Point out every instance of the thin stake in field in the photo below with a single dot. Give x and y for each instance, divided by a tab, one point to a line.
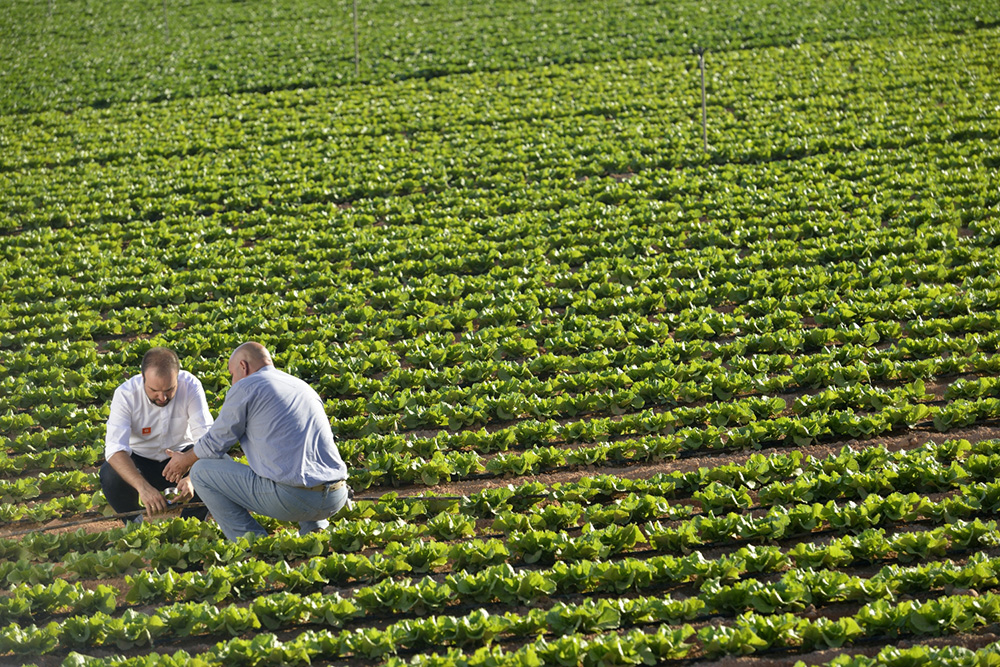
357	49
166	22
700	51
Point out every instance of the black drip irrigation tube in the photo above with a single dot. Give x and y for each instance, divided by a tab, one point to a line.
81	522
140	512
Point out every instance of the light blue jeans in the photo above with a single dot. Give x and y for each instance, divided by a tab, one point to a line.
232	490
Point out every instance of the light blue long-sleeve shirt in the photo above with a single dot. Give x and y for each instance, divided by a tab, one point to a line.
280	422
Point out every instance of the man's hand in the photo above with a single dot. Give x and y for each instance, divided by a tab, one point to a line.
180	463
152	500
149	497
185	490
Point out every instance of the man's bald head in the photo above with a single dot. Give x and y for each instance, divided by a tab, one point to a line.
247	359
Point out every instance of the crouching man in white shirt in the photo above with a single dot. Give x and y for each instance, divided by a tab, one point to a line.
162	409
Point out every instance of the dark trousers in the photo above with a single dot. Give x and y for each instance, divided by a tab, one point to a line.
123	498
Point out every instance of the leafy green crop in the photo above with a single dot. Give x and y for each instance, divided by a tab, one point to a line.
503	254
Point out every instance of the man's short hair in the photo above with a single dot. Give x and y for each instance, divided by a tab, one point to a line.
161	360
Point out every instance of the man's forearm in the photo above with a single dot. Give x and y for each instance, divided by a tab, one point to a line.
123	465
149	495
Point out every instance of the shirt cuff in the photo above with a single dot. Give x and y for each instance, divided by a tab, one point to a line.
203	452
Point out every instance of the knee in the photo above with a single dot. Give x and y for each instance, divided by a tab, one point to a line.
203	472
196	470
108	476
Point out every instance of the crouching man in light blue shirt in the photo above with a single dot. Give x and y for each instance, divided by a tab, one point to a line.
295	472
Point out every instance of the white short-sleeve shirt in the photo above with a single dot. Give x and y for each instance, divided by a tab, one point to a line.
137	425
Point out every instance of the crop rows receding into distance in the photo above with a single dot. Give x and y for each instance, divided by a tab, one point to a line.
64	56
525	283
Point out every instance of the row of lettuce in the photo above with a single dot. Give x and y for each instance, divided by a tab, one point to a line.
127	52
643	437
489	140
486	281
442	573
510	323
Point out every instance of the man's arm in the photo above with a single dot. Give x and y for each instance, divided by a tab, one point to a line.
151	499
119	428
200	421
118	454
180	464
220	438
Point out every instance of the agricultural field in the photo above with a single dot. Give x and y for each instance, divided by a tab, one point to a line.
611	392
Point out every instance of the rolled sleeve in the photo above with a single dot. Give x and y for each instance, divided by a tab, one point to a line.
199	417
119	429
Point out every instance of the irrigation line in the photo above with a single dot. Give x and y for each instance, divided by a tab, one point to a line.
81	522
411	498
128	515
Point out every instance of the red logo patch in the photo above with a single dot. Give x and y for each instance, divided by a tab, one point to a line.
147	430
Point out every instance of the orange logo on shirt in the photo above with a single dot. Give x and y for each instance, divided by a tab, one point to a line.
147	430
